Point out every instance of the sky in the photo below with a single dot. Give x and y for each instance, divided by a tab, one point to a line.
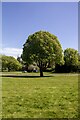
20	19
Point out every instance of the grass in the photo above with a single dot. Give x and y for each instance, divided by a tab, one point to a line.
52	96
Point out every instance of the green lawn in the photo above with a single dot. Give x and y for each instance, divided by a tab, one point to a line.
52	96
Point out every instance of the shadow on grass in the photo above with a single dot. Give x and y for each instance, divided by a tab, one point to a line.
24	76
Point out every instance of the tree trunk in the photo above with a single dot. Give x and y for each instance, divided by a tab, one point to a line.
8	69
2	69
41	72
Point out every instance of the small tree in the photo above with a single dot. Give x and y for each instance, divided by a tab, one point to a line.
42	47
10	63
4	62
71	59
78	62
13	64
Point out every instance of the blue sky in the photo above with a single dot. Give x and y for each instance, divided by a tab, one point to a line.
20	19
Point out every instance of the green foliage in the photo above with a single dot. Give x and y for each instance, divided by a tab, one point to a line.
71	61
79	62
42	47
71	57
4	60
10	63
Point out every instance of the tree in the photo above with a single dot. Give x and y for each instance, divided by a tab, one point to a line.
71	59
20	59
13	64
42	47
10	63
78	62
4	62
0	63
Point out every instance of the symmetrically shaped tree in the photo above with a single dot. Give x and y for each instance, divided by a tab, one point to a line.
42	47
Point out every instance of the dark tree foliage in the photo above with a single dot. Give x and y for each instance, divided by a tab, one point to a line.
71	61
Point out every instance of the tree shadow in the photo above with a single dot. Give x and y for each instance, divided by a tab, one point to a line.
25	76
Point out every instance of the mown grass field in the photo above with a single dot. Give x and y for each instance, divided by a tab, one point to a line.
26	95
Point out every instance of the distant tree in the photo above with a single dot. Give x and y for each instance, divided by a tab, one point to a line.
71	59
71	56
10	63
19	59
13	64
0	63
79	57
42	48
4	62
78	62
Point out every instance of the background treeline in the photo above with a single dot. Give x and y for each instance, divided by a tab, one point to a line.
71	63
9	63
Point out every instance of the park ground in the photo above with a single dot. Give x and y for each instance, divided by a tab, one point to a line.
26	95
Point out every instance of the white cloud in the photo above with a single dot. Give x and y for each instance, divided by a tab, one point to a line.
15	52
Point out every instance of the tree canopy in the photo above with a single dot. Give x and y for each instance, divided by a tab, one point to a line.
71	60
42	47
71	56
10	63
